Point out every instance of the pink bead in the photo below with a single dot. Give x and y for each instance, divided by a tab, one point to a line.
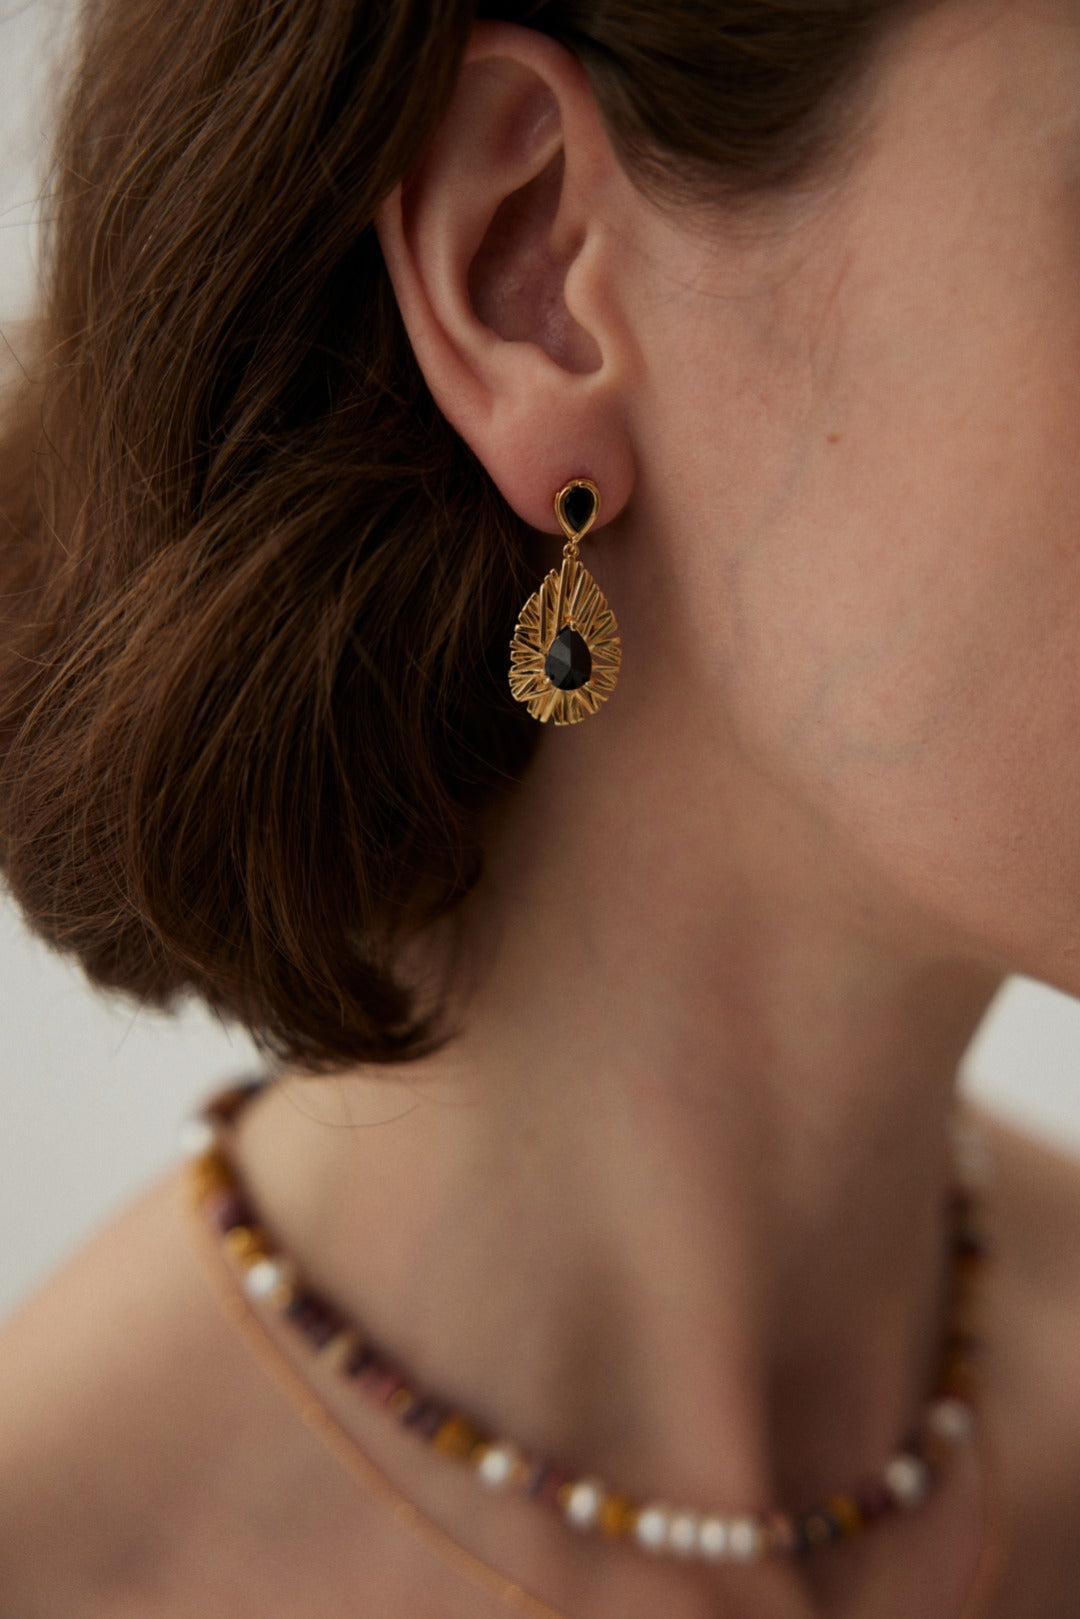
553	1481
780	1527
380	1381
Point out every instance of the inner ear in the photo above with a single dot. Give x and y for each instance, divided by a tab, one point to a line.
517	280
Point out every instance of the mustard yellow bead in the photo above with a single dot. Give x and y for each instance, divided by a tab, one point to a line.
457	1437
844	1510
246	1244
211	1173
617	1517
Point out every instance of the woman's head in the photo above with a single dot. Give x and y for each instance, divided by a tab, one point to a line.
269	539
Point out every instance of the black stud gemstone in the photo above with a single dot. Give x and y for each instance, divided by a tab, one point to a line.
578	506
568	664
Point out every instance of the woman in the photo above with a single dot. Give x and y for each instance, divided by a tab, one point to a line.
613	1094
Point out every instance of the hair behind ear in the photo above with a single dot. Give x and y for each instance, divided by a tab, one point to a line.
258	593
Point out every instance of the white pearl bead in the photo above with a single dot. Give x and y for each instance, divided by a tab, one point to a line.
743	1539
498	1464
198	1135
263	1277
713	1537
951	1420
907	1480
683	1533
584	1501
651	1528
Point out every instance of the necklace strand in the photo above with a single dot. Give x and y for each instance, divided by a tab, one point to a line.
239	1250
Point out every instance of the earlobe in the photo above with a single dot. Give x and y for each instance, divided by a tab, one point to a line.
486	243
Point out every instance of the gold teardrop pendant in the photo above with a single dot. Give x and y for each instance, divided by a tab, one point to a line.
565	654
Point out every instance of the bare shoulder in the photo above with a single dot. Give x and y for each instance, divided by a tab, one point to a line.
143	1467
1034	1368
96	1371
148	1465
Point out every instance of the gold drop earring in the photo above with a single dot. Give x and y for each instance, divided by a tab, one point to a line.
565	655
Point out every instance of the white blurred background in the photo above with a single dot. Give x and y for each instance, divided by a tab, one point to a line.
91	1092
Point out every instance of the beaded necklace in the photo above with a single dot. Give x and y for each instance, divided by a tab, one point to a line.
230	1225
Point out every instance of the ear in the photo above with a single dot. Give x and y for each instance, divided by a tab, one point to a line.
503	247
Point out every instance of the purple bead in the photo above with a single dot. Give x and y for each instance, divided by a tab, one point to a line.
319	1328
552	1482
428	1425
358	1362
298	1305
415	1409
226	1209
369	1373
873	1500
313	1318
534	1479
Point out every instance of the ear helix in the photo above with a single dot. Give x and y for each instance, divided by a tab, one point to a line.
565	654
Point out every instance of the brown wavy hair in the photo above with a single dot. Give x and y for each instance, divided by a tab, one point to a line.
255	594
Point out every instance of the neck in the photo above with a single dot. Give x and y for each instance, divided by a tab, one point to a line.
671	1205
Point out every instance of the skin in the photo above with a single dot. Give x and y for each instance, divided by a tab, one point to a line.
670	1205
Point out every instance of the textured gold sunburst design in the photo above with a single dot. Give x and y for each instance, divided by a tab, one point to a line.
569	596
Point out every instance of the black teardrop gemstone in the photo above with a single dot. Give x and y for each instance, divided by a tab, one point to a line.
578	506
568	664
